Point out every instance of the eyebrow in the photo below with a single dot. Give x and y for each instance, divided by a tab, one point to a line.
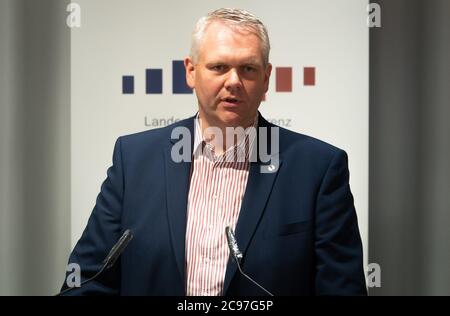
248	62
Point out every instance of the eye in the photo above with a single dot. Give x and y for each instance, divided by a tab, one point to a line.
249	69
218	68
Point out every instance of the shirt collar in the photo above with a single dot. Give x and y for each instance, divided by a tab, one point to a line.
240	151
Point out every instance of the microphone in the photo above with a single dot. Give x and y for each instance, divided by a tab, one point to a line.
118	248
237	255
110	259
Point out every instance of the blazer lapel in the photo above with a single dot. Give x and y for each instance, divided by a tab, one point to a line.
259	186
177	176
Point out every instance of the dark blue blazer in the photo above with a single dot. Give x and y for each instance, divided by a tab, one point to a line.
297	226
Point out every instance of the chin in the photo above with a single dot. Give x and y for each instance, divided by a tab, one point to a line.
231	118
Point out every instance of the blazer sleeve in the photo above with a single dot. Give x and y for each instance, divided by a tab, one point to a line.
338	247
101	233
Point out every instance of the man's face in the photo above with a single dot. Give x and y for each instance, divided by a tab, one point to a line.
229	78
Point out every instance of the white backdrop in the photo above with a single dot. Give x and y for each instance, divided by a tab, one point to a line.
118	38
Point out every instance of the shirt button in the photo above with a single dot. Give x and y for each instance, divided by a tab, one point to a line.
210	227
215	196
206	260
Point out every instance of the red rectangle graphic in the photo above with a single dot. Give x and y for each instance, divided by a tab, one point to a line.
283	79
309	76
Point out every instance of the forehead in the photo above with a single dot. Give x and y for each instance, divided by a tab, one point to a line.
223	41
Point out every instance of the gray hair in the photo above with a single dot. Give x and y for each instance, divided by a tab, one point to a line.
235	18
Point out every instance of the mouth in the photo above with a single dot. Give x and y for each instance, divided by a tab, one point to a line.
230	101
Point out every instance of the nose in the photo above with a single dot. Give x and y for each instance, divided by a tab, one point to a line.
233	80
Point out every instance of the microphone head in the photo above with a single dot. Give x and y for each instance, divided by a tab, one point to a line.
118	248
232	244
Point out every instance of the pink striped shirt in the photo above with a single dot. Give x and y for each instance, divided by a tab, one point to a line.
215	196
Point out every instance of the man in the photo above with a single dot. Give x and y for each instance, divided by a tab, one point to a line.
292	213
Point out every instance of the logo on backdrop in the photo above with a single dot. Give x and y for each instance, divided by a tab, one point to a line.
154	80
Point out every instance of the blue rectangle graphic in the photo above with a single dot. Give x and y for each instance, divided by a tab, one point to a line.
127	84
153	81
179	84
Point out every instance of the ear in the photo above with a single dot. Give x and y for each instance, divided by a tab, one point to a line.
267	73
190	72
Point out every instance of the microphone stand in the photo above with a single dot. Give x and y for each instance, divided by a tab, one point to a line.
237	255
